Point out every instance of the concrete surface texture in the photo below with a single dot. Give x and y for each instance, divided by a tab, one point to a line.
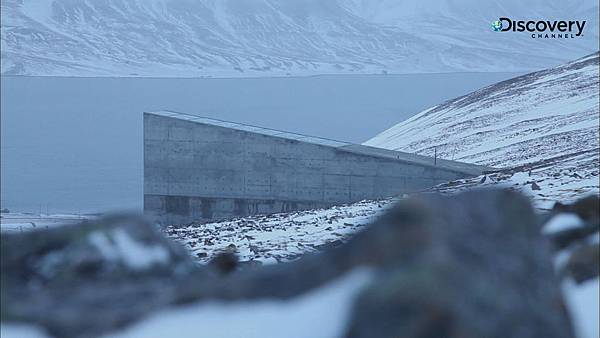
200	169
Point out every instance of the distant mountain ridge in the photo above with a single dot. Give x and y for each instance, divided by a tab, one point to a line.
240	38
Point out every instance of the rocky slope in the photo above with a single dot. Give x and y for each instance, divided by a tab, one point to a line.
279	237
277	37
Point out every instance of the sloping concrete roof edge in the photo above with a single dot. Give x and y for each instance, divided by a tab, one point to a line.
455	166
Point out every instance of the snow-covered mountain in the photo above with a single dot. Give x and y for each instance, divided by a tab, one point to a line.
280	37
533	117
540	129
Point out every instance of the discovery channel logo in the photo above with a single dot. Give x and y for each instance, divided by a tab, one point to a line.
497	25
542	29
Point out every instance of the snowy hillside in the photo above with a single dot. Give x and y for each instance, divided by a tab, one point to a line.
280	37
540	128
529	118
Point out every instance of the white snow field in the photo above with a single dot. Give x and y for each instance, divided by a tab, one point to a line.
20	222
233	38
323	313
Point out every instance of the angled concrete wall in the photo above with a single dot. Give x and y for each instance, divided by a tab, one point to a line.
200	171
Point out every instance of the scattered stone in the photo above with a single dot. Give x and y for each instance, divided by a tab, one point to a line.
565	238
584	263
225	263
330	245
587	208
250	264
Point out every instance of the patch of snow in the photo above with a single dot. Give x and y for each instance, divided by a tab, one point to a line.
125	249
561	222
101	242
583	304
322	313
561	258
20	222
11	330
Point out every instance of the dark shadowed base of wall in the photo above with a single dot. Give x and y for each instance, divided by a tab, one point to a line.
169	210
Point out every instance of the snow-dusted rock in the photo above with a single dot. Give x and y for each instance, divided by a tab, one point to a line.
89	276
429	266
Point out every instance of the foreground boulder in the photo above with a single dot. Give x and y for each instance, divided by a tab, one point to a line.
469	265
85	279
578	239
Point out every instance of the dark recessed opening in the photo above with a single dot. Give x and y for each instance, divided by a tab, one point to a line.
178	205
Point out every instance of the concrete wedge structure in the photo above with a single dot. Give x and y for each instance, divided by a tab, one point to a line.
202	169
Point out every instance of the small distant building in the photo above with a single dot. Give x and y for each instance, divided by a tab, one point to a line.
203	169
